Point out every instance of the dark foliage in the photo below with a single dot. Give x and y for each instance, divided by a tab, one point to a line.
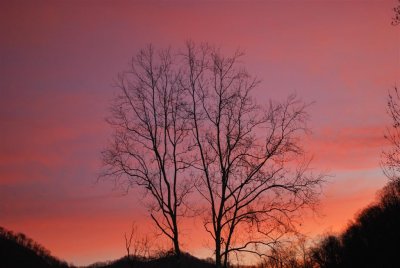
371	241
17	250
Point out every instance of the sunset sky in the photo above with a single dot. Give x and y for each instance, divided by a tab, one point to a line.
58	61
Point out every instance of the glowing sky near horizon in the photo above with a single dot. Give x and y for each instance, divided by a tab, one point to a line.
58	60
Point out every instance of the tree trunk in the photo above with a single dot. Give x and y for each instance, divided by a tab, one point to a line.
177	249
225	260
176	246
218	259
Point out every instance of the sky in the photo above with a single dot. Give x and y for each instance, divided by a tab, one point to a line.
58	61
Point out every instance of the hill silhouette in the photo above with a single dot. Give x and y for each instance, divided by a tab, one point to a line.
372	240
167	260
17	250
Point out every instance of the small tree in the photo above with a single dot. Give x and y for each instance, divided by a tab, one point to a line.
128	240
293	254
135	245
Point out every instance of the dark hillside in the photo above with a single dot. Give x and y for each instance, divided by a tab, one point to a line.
165	261
372	240
17	250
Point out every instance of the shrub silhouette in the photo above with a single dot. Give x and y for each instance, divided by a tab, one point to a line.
372	240
165	260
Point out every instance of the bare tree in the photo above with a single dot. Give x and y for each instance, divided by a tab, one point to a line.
128	240
193	115
148	145
249	160
136	245
293	253
391	157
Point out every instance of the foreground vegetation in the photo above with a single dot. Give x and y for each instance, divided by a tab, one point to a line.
17	250
370	241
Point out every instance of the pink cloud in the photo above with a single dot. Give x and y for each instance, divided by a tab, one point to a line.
347	148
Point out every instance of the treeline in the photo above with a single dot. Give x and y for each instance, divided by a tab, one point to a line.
18	250
372	240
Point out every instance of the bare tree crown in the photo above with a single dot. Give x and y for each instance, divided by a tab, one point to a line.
245	153
148	148
189	119
391	157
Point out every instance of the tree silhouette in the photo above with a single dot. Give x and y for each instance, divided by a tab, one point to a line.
295	254
328	253
391	157
371	241
188	119
245	158
128	241
18	250
149	145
